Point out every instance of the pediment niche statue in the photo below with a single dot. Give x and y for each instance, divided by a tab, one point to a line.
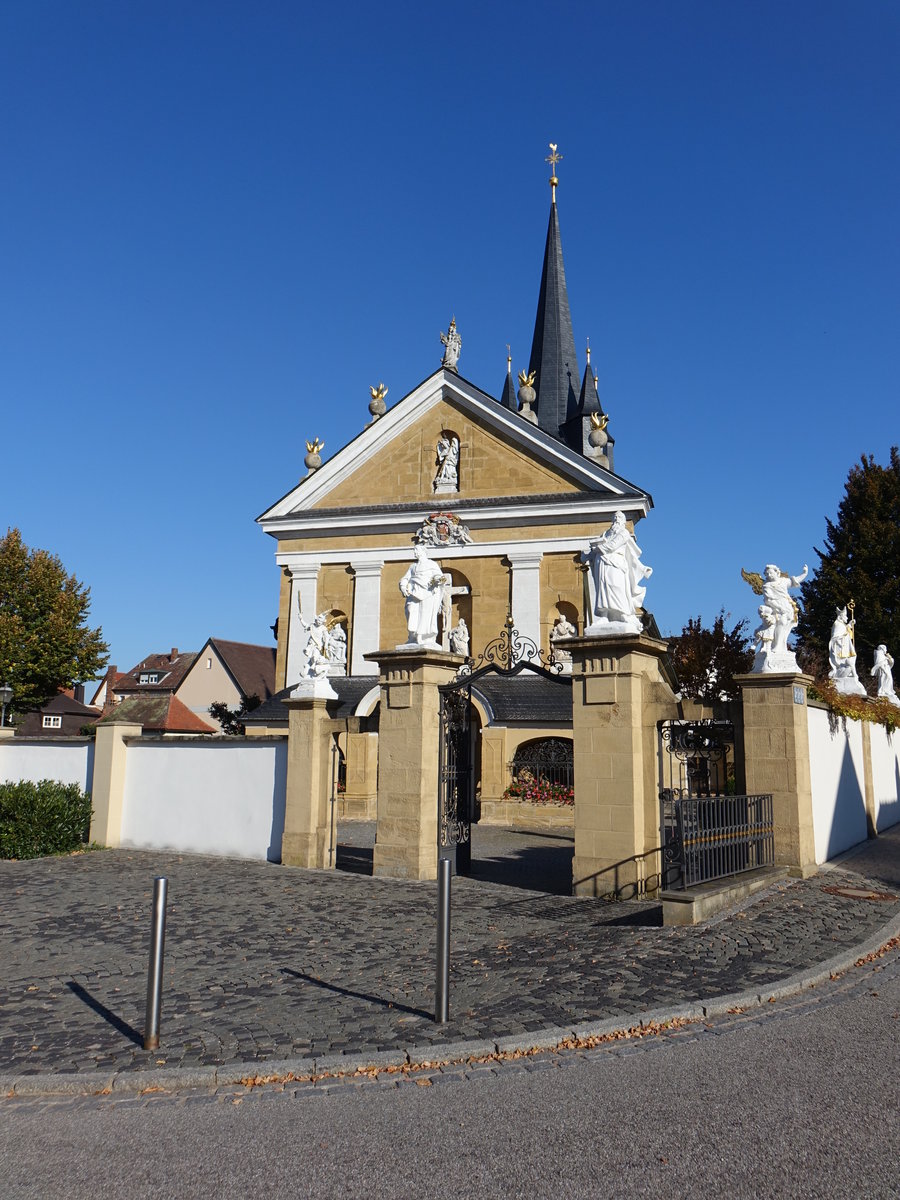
447	452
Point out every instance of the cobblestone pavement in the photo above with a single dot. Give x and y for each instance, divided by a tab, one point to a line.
809	1001
266	963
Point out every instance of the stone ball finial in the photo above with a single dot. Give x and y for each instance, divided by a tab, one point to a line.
598	437
313	459
377	406
527	396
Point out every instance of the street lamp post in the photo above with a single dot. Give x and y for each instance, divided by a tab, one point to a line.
6	694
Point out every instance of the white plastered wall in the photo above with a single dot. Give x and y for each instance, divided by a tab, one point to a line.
885	776
838	784
222	797
67	762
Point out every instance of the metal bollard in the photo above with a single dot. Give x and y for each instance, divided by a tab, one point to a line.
442	982
155	972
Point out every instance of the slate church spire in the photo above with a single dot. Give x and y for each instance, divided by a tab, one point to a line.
553	346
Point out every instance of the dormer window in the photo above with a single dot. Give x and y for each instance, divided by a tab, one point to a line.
148	677
52	723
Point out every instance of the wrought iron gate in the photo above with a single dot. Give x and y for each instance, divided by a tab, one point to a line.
508	654
707	831
693	762
456	776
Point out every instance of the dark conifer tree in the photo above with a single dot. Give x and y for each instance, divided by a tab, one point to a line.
860	562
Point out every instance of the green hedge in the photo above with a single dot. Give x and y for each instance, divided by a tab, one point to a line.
47	817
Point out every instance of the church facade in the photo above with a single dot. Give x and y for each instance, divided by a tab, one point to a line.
503	493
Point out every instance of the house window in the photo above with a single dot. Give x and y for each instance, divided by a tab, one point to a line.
52	723
149	677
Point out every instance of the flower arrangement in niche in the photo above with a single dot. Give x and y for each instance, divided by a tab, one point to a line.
539	791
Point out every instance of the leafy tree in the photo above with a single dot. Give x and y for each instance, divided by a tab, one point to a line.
859	563
45	642
707	660
230	718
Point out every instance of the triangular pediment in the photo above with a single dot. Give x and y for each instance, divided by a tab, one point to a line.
394	461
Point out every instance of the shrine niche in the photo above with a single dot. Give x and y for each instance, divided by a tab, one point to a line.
446	451
563	625
456	611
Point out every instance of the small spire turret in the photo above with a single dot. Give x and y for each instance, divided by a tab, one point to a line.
508	394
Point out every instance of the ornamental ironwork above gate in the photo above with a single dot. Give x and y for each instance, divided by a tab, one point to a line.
508	654
696	758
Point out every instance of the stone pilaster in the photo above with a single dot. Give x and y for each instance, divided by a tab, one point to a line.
494	771
310	832
365	625
108	783
408	748
776	760
526	591
869	780
619	692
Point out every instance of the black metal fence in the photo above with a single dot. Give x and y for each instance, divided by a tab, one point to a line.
722	835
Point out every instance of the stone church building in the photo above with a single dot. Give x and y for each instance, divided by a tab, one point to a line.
504	493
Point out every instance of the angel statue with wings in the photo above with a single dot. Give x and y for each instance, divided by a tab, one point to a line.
779	613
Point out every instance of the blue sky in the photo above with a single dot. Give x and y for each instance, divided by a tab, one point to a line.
220	223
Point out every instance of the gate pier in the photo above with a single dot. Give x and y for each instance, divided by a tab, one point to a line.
406	835
309	836
619	692
776	760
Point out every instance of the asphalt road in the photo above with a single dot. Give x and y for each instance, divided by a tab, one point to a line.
799	1099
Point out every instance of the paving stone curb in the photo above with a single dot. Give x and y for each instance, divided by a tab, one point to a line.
236	1074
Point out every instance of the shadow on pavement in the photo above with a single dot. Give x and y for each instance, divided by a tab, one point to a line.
367	996
355	859
540	862
538	868
107	1014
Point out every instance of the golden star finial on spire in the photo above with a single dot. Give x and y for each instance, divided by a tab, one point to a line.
553	158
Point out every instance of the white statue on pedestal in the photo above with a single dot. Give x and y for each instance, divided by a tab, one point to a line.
882	672
764	636
842	654
337	647
459	638
452	344
561	630
616	575
423	589
779	616
315	660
